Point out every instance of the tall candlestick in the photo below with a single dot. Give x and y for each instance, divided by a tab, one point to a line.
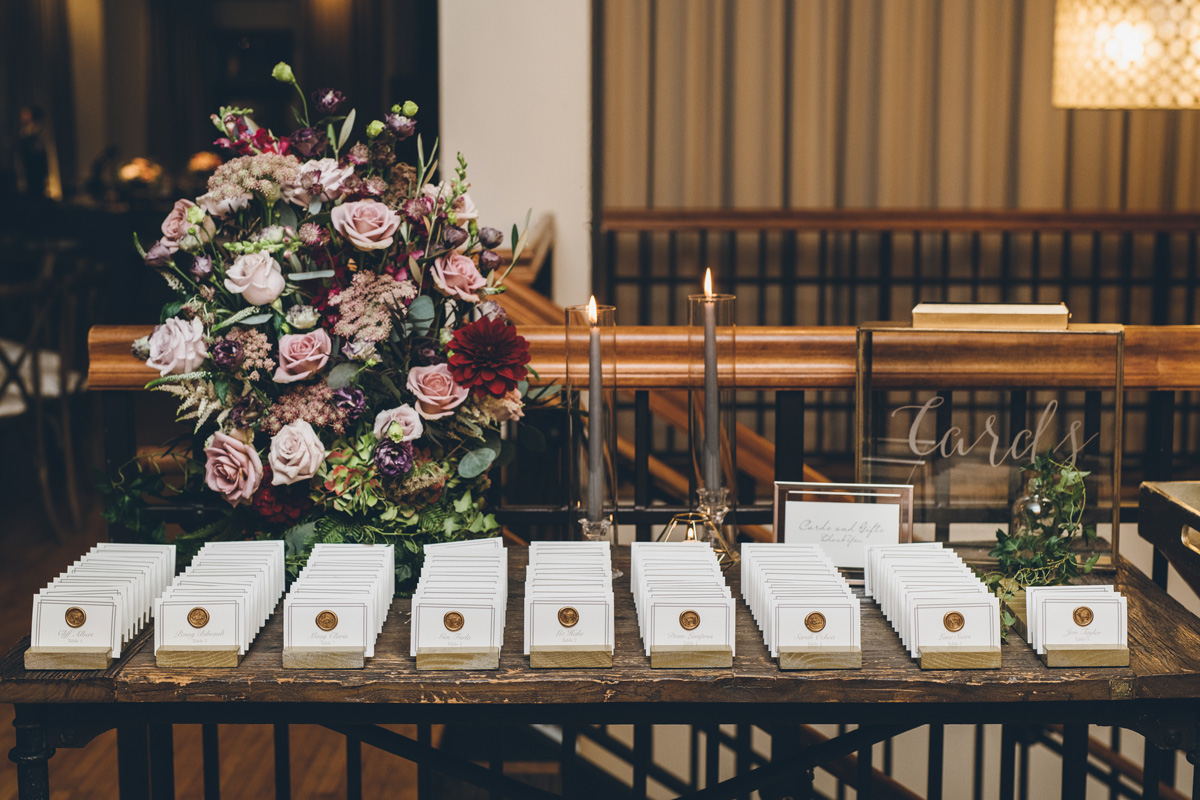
595	485
712	425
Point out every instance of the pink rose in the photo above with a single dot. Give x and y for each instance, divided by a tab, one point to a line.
456	276
463	207
296	453
323	174
302	355
223	207
406	416
175	227
509	406
366	224
233	469
437	393
256	277
177	346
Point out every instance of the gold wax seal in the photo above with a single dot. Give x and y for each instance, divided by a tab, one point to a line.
954	621
568	617
1083	616
815	622
453	621
327	620
689	620
75	616
198	617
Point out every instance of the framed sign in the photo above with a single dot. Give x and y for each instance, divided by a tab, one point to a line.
843	518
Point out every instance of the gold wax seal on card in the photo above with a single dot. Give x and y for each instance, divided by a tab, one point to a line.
954	621
815	622
1083	616
327	620
568	617
75	616
198	617
453	621
689	620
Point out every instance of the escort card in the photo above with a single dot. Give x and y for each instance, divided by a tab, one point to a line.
461	598
681	598
1074	616
569	596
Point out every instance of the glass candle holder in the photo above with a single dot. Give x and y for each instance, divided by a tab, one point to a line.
590	398
712	421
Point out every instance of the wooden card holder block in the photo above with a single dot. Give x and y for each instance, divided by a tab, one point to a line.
323	657
1085	655
960	658
569	656
689	657
820	658
197	656
58	658
1016	607
457	658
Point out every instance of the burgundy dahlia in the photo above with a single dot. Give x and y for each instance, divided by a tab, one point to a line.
488	357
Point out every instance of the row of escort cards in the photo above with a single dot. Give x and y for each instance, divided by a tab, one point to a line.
808	614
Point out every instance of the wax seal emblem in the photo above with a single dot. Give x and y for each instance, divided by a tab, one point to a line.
198	617
567	617
815	622
954	621
1083	616
76	616
453	621
689	620
327	620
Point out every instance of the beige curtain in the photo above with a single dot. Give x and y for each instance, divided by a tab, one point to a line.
868	103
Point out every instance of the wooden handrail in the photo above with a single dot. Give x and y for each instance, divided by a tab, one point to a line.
1156	358
632	220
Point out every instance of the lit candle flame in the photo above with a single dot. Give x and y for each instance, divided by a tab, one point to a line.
593	317
708	283
691	533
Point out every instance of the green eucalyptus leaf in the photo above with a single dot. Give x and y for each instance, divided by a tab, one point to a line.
287	216
419	319
476	462
257	319
310	276
342	375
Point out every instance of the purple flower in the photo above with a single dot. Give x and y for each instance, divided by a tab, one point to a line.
418	208
227	353
490	238
488	260
401	125
159	254
307	141
428	355
352	400
453	236
245	411
328	102
393	459
492	310
201	267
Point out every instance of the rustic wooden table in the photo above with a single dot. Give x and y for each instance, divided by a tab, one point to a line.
1158	695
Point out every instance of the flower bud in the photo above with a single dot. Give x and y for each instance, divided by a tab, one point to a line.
375	128
195	215
328	102
201	267
401	125
302	317
488	261
409	109
453	236
283	73
490	238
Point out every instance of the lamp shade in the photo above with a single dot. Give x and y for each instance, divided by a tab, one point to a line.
1127	54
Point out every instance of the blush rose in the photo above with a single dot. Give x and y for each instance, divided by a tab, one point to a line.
406	416
296	453
455	276
232	469
177	346
302	355
366	224
176	227
437	393
256	277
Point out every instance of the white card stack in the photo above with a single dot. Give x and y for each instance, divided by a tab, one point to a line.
934	601
460	604
569	596
1076	617
223	598
340	600
681	598
798	598
104	599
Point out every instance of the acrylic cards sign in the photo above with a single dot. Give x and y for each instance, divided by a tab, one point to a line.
843	519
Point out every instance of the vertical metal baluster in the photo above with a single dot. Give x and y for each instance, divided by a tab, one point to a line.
1189	316
210	748
673	277
645	302
694	758
569	778
976	264
742	762
1151	771
1097	260
865	785
1160	425
1008	762
641	458
1023	771
1125	265
283	763
712	756
496	759
610	269
941	473
353	769
1018	411
977	774
1114	774
133	765
885	275
643	754
887	756
1160	311
1006	246
945	260
937	752
1074	762
789	435
162	762
788	279
1064	269
852	283
917	266
841	785
424	771
1036	269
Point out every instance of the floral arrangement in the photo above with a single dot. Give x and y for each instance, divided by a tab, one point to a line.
335	336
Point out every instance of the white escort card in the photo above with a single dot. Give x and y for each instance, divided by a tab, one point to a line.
337	605
943	613
569	617
460	604
808	614
86	615
685	611
216	607
1078	626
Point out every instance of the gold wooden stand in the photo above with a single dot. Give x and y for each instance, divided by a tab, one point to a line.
820	658
569	656
960	658
197	656
458	658
689	657
323	657
58	658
